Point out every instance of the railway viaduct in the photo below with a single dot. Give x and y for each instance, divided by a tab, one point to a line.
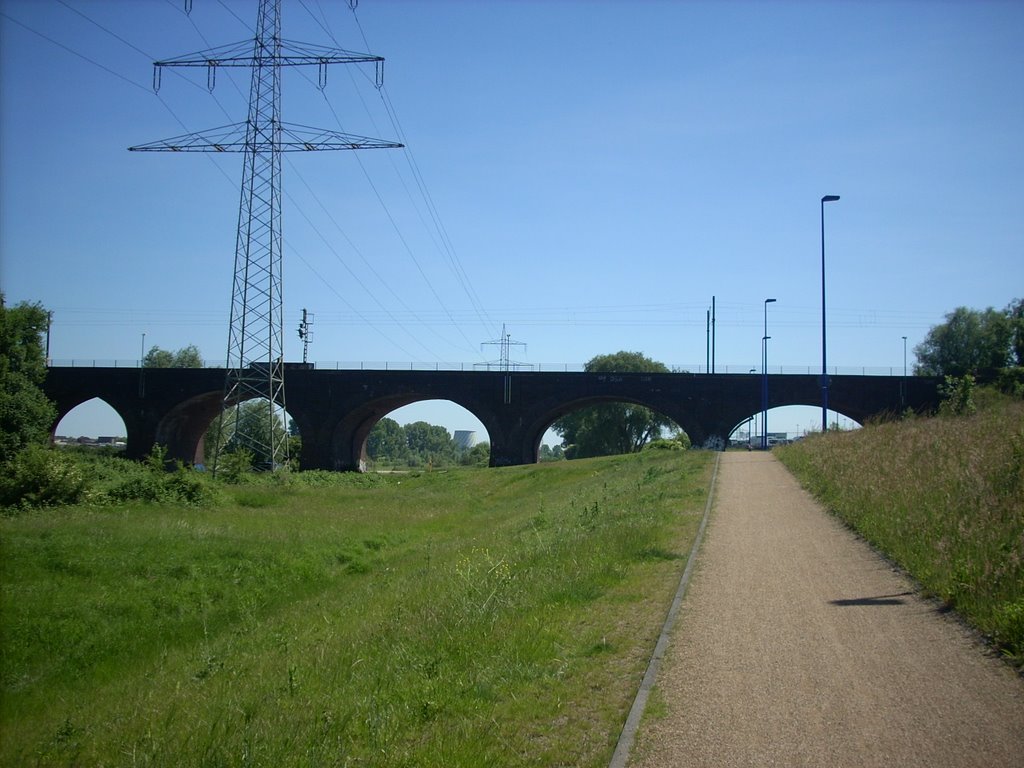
336	409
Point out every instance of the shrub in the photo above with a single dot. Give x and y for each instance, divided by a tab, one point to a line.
663	445
42	477
957	396
233	466
1011	381
153	483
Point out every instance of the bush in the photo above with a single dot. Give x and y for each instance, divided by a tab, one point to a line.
664	445
957	396
153	483
1011	381
42	477
233	466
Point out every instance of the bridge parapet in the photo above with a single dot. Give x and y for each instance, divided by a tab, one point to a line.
377	365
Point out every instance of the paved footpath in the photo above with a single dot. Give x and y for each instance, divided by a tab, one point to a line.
797	645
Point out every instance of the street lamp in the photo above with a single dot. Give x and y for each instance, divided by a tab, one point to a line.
764	377
750	419
824	369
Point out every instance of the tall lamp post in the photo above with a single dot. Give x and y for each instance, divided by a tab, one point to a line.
750	429
764	378
824	366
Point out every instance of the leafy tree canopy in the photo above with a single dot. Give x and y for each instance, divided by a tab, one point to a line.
1015	315
26	415
186	357
387	441
972	341
418	444
611	428
246	425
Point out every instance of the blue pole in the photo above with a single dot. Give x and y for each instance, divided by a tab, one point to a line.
824	368
764	378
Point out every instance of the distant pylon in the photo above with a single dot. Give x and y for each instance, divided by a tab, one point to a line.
505	363
255	357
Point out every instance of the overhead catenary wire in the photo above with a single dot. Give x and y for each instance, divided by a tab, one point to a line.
469	345
442	241
150	58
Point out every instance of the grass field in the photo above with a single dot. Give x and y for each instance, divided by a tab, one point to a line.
463	618
944	498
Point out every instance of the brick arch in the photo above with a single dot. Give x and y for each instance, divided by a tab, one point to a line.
534	430
183	428
348	441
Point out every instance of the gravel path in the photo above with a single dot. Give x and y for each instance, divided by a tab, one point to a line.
796	645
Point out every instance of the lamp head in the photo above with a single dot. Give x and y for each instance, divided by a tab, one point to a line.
829	198
769	301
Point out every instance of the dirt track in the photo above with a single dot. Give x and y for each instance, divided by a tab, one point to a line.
797	645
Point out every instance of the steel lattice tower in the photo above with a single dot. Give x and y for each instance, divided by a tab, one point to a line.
255	357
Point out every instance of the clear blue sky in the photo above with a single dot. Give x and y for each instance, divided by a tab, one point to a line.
600	170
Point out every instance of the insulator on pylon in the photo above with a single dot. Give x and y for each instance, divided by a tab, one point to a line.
211	75
156	78
322	74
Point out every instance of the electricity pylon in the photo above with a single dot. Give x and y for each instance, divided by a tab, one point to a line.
255	359
505	363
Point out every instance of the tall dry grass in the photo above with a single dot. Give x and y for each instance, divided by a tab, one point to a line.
944	498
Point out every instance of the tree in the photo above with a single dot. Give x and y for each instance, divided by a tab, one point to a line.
26	415
968	342
253	426
186	357
387	442
477	456
549	453
1015	316
429	443
611	428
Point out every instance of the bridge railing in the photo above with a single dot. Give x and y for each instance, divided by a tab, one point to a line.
731	368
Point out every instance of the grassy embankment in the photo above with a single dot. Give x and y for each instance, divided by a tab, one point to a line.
464	618
944	498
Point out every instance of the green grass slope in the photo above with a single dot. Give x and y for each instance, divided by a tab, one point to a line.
944	498
463	618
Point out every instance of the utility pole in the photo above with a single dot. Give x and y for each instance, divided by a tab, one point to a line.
49	323
305	334
255	356
712	334
707	350
505	363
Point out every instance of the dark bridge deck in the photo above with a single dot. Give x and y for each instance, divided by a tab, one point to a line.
335	410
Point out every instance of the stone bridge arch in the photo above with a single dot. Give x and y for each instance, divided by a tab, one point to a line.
349	435
533	428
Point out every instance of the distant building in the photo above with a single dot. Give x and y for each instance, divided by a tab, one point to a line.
465	438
